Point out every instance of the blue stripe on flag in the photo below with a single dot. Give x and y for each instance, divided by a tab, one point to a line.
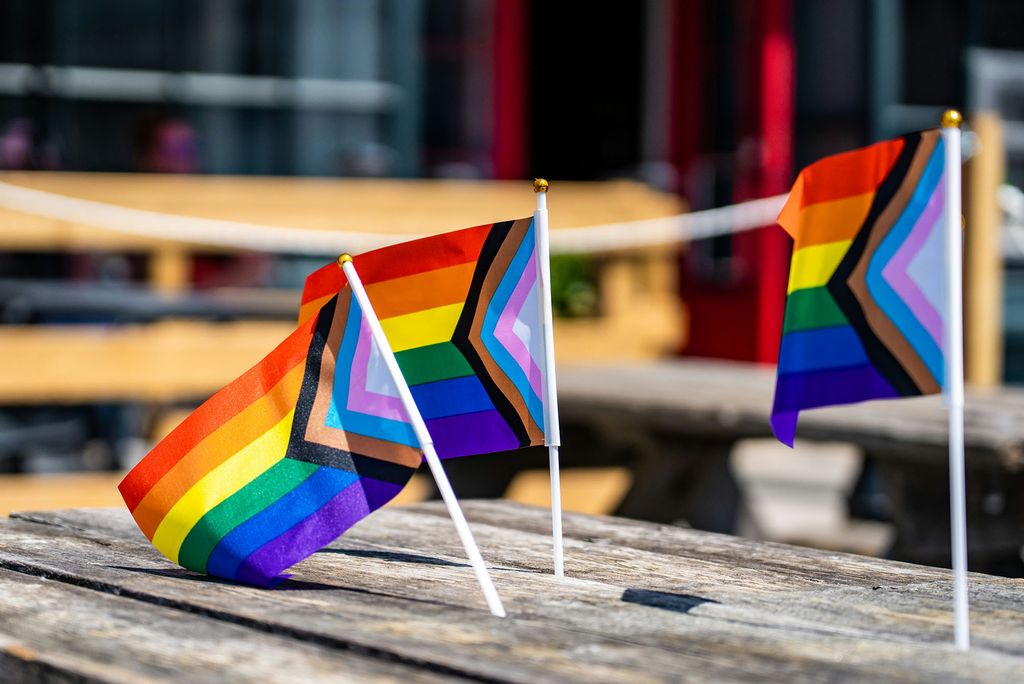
819	349
451	397
273	521
889	301
495	307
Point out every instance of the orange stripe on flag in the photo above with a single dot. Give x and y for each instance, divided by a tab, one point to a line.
310	309
400	260
833	221
422	291
215	412
838	177
217	447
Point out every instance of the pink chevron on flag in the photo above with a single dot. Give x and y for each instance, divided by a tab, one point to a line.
368	369
513	327
898	273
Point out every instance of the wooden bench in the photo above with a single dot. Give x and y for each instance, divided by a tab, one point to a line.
388	208
168	361
84	597
676	423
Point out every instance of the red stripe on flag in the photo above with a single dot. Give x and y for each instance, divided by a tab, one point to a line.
840	176
403	259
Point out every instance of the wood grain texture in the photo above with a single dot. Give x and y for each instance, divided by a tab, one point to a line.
643	602
51	630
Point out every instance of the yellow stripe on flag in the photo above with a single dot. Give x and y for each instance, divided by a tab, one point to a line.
219	484
421	328
813	266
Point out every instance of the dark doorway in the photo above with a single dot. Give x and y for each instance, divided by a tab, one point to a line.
586	76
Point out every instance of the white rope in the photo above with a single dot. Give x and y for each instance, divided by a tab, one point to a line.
1011	202
669	230
292	240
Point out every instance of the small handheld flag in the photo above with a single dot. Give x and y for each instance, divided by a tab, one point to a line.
866	303
461	315
321	433
248	485
468	315
874	303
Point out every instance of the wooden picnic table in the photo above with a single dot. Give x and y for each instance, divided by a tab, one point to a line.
673	423
84	597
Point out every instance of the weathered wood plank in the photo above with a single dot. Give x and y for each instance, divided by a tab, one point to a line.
814	592
53	631
755	623
720	622
463	641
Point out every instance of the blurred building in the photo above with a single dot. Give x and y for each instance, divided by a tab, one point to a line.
719	101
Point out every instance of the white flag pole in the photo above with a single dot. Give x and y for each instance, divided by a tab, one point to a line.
955	376
552	437
423	435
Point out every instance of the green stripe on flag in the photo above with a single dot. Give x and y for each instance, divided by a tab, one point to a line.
271	485
810	308
432	363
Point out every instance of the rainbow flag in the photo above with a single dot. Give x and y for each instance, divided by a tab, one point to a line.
866	307
314	438
237	490
461	312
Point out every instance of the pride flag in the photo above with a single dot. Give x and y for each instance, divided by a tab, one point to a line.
237	491
314	437
866	307
461	312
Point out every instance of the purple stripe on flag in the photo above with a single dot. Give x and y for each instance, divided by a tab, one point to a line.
798	391
896	271
330	521
784	426
795	392
471	433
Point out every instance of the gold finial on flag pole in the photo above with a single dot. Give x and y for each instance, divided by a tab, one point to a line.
345	258
951	118
540	185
